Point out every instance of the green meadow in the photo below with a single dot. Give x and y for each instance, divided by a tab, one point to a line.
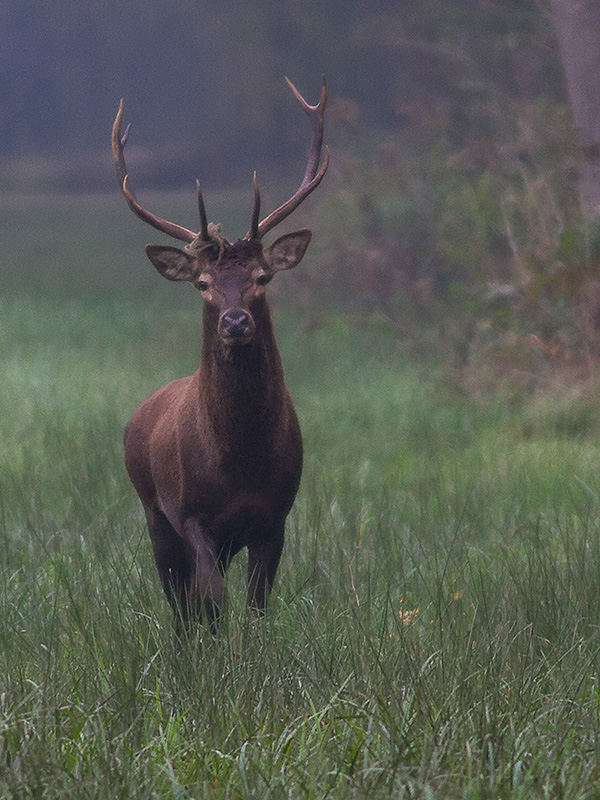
434	629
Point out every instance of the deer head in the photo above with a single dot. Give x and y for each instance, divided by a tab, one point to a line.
231	276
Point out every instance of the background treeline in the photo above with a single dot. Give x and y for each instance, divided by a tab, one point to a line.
203	81
451	210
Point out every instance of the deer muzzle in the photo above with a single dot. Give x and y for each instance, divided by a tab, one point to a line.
236	326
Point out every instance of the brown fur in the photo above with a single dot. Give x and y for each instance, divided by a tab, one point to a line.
216	457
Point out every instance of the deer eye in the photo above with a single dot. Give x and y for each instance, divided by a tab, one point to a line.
263	279
202	285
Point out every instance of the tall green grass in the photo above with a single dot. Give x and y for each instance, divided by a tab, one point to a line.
434	631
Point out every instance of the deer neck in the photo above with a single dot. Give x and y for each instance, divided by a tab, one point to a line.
241	387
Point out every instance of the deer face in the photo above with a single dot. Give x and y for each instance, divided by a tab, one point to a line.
231	277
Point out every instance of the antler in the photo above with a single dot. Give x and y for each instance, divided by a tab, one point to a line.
312	177
177	231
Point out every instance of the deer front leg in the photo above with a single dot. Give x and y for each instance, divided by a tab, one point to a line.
263	560
206	589
171	560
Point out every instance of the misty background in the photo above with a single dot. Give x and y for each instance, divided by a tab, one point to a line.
203	82
454	210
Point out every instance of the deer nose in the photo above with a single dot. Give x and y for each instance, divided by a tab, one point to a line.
235	323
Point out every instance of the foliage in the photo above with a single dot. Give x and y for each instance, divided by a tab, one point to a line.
478	254
434	628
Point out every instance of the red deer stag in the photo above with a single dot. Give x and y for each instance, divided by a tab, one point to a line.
216	457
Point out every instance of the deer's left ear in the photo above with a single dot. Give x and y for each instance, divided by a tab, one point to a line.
172	263
288	250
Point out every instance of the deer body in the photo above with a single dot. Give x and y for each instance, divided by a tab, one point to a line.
216	457
213	476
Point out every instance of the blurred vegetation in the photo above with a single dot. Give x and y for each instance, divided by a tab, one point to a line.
204	84
480	255
450	212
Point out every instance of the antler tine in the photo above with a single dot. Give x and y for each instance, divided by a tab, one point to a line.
253	232
118	148
316	115
118	143
313	174
202	211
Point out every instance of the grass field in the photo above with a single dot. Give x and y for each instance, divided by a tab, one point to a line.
434	632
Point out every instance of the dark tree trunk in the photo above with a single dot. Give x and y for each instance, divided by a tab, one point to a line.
577	24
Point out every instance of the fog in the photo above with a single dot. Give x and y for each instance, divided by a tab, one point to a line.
204	88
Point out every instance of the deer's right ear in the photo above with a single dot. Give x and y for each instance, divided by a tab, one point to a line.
172	263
